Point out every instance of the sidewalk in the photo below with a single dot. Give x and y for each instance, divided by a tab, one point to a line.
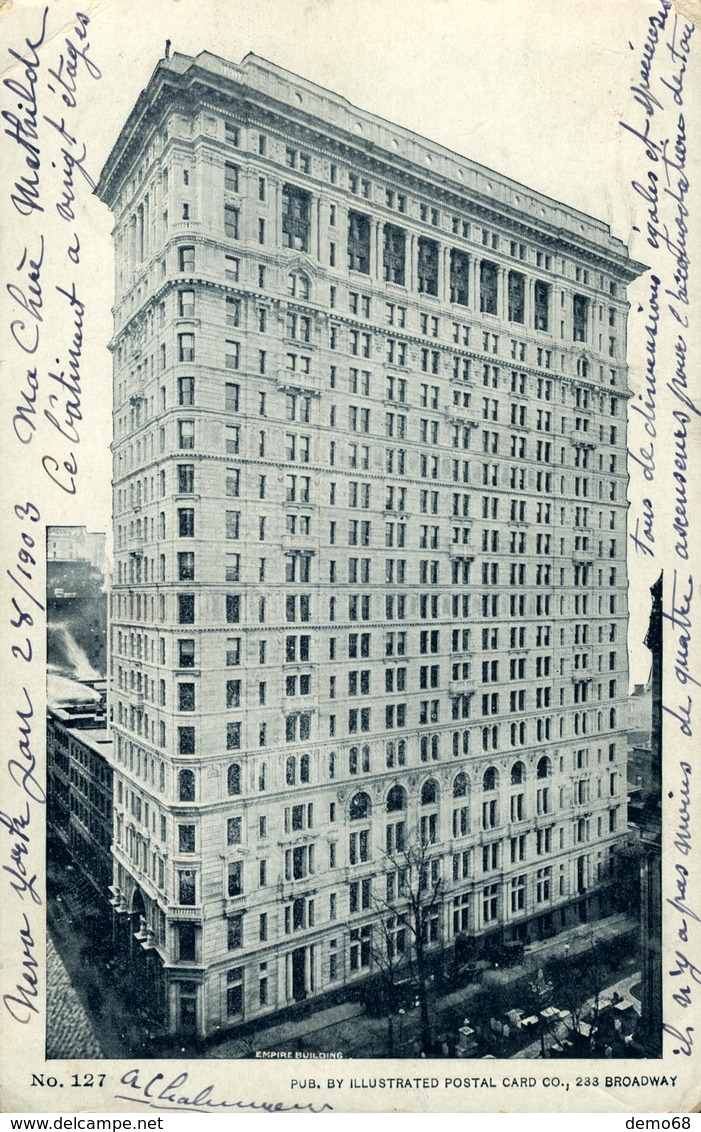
348	1029
622	987
345	1028
341	1020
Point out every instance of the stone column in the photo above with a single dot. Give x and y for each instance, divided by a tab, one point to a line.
410	268
375	249
503	295
172	1006
564	313
315	240
529	304
444	273
288	976
274	188
474	296
316	966
147	226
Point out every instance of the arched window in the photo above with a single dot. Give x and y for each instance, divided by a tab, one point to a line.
396	799
162	777
490	780
429	793
332	764
424	748
543	768
435	747
262	777
304	768
460	785
291	771
353	760
517	774
233	778
186	786
360	806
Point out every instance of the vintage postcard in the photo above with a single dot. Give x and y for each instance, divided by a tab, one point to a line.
350	621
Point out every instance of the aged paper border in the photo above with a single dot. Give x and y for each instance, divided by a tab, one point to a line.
533	88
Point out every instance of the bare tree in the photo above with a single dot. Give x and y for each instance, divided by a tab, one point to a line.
579	983
407	921
575	984
391	962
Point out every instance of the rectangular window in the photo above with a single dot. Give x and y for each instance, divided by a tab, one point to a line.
517	296
235	878
394	254
296	218
186	887
186	838
186	434
231	221
186	347
580	317
186	609
186	740
186	258
232	357
358	242
234	978
186	304
459	276
235	932
427	268
231	177
233	736
488	287
541	295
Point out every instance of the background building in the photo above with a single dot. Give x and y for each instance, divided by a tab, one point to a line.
76	594
650	824
76	544
369	520
79	776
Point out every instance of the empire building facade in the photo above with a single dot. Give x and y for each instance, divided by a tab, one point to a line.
369	530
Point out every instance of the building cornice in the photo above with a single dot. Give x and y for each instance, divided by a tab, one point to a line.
326	120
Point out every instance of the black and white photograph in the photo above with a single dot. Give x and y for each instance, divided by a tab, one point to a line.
349	433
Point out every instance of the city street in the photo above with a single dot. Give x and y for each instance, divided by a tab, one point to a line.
69	1031
84	983
86	1000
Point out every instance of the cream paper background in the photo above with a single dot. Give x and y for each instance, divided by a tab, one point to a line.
532	88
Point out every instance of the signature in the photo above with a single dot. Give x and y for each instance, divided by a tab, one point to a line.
156	1094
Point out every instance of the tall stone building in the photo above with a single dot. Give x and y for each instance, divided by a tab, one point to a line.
369	519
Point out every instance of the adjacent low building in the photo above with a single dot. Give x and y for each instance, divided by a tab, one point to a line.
79	776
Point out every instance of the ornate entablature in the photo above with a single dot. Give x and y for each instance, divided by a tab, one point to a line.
293	106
